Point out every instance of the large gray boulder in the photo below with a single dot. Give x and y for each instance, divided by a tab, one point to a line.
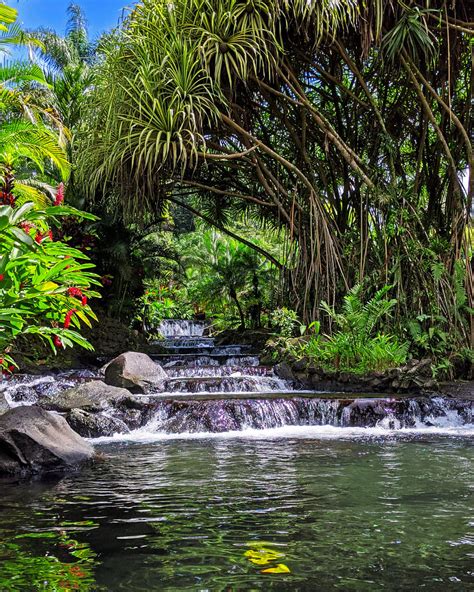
33	440
91	396
136	372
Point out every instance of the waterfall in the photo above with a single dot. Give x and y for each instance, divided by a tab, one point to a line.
217	389
182	328
226	415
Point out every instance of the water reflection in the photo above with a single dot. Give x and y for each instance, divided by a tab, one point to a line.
180	515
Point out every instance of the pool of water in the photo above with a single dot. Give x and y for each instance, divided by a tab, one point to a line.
355	513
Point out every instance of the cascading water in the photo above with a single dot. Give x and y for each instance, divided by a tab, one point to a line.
224	389
215	389
179	327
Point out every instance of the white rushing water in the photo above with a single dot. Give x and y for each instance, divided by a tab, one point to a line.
230	395
325	432
182	328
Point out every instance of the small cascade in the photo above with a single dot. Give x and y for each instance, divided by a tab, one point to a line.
217	370
212	389
182	328
196	365
226	384
233	414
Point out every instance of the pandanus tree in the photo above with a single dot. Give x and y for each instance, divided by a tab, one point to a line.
347	123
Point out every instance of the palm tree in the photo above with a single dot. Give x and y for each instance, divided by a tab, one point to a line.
69	61
31	148
220	268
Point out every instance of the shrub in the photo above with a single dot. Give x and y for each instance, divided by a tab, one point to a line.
285	321
45	284
355	344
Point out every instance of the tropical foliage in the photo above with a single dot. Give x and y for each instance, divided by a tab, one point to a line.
44	283
346	124
214	275
356	343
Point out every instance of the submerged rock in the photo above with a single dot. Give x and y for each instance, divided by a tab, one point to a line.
136	372
33	440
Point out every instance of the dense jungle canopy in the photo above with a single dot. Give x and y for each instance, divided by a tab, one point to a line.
238	156
347	123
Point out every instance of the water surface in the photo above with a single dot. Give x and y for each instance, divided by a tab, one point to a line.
357	513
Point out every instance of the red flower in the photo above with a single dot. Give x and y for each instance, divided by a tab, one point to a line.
59	195
50	234
7	199
2	277
39	237
84	301
74	292
26	226
68	317
57	341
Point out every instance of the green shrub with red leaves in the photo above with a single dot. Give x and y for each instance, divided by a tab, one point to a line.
45	284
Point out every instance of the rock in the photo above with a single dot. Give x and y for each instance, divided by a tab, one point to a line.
4	404
33	440
94	425
90	396
300	365
284	371
136	372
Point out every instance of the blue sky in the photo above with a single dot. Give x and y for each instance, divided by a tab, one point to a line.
101	14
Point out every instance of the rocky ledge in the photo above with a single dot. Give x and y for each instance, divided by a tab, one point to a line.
414	377
95	409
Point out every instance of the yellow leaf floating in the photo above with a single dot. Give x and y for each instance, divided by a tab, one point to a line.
280	568
259	560
262	555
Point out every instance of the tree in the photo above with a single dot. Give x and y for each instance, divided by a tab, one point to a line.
346	123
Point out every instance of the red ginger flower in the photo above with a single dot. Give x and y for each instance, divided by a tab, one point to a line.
84	300
7	199
39	237
2	277
68	317
26	226
59	195
73	291
57	341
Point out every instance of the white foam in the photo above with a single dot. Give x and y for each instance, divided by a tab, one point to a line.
325	432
